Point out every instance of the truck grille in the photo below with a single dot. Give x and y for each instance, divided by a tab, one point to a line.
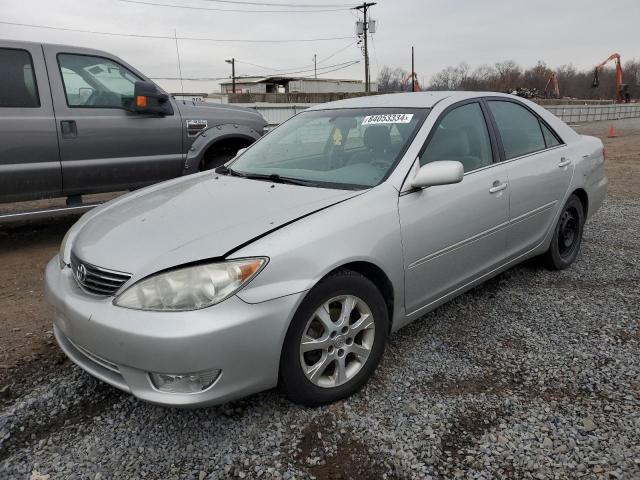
97	280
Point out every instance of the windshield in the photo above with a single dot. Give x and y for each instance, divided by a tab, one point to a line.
346	148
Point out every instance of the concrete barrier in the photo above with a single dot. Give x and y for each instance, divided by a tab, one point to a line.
276	113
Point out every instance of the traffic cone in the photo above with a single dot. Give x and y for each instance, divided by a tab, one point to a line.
612	132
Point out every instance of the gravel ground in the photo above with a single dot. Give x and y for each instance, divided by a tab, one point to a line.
535	374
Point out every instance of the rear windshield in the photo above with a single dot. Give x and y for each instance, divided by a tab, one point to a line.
346	148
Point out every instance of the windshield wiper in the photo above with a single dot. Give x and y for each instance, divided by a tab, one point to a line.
273	177
224	170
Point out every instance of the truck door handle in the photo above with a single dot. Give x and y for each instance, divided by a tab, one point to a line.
564	162
497	187
68	128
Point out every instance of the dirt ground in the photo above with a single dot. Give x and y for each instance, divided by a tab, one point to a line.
25	249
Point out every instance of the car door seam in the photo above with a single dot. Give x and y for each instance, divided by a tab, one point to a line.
533	212
460	244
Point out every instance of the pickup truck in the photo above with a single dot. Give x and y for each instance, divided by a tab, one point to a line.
76	121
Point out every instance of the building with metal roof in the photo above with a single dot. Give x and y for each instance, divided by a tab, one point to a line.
278	84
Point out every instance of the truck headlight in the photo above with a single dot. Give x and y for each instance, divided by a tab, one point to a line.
190	288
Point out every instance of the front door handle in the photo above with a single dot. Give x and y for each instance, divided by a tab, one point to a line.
564	162
497	187
68	128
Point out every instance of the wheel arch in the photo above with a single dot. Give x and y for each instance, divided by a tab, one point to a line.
375	275
212	138
584	199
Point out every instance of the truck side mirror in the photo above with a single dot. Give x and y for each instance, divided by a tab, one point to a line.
148	99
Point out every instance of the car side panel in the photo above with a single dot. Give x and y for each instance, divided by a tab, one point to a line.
29	157
361	229
539	185
452	233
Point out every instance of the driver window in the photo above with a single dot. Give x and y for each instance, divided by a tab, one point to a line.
462	136
96	82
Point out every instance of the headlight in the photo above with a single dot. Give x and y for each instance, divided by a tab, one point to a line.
190	288
63	247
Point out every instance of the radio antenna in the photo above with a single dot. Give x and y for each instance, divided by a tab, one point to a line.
175	35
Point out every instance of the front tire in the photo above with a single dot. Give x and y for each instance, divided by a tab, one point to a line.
567	236
335	341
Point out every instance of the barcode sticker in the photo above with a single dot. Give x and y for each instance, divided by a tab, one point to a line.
387	118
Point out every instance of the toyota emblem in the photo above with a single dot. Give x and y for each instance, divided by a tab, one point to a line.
81	273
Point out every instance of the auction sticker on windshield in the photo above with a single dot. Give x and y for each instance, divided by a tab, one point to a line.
388	118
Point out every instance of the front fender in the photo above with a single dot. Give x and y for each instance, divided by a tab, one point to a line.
212	135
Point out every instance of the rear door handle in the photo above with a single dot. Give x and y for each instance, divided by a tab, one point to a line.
497	187
564	162
68	128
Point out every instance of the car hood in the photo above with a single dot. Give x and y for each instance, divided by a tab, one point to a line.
218	112
193	218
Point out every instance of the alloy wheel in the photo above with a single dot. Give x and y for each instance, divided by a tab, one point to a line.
337	341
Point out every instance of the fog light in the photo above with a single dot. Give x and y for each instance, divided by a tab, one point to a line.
186	383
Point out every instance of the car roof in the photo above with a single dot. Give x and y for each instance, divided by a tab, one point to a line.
76	48
403	100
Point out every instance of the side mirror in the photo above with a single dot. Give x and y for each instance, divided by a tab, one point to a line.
148	99
443	172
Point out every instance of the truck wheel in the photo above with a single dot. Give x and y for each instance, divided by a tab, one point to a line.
216	157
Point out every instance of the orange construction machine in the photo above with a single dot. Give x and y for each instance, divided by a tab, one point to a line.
555	87
406	83
622	94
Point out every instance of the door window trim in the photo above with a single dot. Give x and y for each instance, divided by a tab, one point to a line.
496	159
541	121
64	86
494	147
33	72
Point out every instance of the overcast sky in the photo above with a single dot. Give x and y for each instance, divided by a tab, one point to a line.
581	32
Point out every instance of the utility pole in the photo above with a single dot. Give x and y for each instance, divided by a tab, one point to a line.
364	7
233	74
413	72
315	64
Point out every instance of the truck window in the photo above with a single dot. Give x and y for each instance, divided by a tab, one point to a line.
96	82
19	88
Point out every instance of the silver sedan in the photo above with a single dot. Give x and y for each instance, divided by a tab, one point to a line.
293	263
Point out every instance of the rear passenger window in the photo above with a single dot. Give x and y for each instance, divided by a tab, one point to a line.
462	136
549	138
518	127
18	88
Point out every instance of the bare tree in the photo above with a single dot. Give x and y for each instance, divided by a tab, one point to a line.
506	76
391	80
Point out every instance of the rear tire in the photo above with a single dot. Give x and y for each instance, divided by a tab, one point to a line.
567	235
335	341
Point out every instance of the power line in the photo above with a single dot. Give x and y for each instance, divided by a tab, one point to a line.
282	74
191	7
335	69
269	4
192	79
195	39
337	52
213	79
273	69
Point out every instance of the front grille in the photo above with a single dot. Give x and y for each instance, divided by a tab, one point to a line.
95	358
97	280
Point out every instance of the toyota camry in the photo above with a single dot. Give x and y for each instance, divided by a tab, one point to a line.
291	264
